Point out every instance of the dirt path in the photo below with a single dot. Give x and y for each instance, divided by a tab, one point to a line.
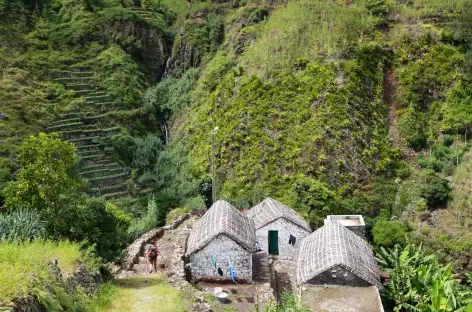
390	89
144	293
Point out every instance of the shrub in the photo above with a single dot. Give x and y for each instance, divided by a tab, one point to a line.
146	151
436	190
100	227
21	225
390	233
412	128
124	146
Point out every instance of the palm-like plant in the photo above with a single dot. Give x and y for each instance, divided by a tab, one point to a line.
418	282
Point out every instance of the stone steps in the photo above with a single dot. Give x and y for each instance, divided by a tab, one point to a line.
108	180
117	195
85	141
73	81
79	87
85	92
93	159
72	115
74	134
109	166
66	127
100	191
91	147
98	99
85	153
73	74
102	172
65	121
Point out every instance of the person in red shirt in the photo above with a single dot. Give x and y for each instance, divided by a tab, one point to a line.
152	252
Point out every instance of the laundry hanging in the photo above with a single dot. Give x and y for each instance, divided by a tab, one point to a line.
292	240
213	261
220	271
232	273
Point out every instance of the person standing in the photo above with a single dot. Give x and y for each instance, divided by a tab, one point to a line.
152	253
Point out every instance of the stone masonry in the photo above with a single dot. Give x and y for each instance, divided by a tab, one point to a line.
285	229
225	250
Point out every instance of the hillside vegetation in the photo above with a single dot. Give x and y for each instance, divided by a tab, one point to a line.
111	113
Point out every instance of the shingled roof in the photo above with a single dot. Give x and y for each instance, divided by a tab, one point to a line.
270	210
222	219
334	245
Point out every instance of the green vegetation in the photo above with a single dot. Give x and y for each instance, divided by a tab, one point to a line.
150	293
332	107
25	265
419	283
390	233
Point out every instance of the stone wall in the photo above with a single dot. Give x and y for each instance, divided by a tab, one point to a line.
132	253
341	277
224	250
285	228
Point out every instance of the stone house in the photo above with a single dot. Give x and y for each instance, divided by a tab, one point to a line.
279	229
223	237
337	271
334	255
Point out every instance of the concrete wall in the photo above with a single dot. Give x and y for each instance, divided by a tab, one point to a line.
343	277
224	250
285	228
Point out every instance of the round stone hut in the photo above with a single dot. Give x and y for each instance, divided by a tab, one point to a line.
222	238
279	229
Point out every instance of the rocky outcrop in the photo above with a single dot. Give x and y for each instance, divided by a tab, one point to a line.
184	56
84	278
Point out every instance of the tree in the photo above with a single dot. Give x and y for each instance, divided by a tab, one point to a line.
205	191
101	227
436	190
46	181
316	197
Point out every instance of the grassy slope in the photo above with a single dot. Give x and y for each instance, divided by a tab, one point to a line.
24	266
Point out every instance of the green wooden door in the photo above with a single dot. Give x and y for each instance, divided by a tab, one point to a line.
274	242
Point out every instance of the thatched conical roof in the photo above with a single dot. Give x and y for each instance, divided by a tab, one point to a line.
222	219
270	210
334	245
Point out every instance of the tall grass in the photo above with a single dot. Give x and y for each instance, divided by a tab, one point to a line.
309	29
24	265
421	8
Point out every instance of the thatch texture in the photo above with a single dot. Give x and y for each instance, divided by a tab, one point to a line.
270	210
333	245
222	219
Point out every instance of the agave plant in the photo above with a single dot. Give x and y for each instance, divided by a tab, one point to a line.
21	224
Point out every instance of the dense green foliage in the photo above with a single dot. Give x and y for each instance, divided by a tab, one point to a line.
419	283
332	107
21	225
390	233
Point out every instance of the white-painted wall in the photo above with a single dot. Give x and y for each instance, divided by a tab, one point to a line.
224	250
285	228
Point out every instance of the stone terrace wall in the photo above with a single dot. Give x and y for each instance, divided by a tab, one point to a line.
134	250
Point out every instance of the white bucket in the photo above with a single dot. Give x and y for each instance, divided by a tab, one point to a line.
222	297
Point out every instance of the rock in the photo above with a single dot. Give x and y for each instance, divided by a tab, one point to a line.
3	116
201	307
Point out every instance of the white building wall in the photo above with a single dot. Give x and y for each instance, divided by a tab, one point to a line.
285	228
224	250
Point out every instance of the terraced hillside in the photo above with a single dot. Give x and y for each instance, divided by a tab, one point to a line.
85	126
